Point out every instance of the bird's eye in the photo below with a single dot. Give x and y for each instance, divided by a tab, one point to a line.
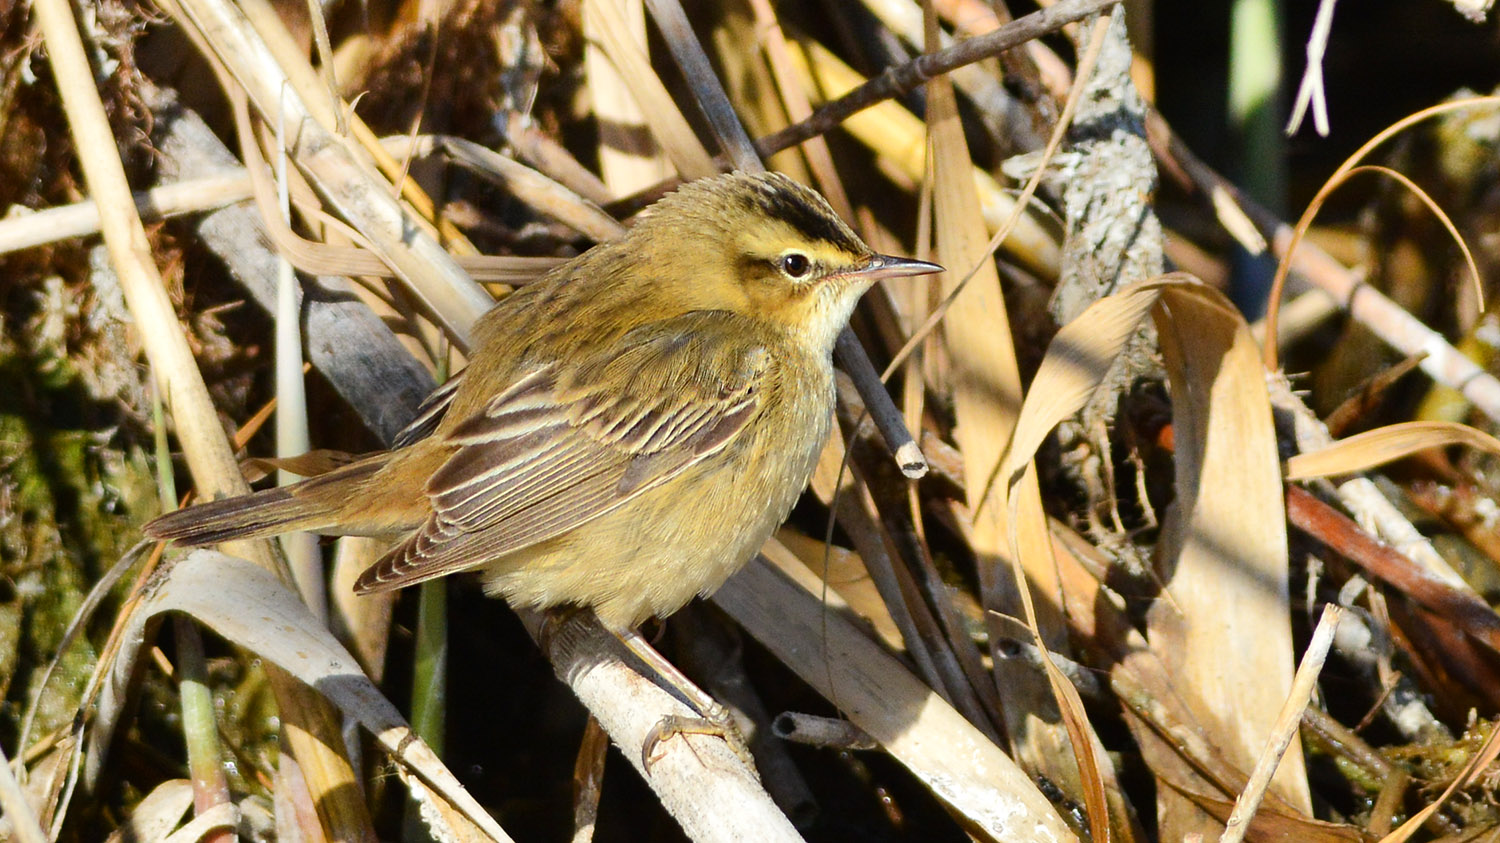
795	265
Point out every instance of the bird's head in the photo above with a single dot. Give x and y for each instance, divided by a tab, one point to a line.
764	246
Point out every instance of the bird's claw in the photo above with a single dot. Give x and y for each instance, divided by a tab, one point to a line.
673	725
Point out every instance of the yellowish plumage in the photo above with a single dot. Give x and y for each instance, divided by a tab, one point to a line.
631	427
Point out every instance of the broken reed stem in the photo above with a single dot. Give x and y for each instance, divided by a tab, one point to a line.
1286	726
822	732
888	418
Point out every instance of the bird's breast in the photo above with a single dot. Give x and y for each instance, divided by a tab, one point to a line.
684	538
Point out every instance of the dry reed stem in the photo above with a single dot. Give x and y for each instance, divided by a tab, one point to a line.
1394	325
588	780
704	84
1303	684
81	219
361	621
1360	495
776	599
343	174
629	156
980	83
526	185
699	779
798	107
303	558
310	725
1278	284
899	602
339	118
16	808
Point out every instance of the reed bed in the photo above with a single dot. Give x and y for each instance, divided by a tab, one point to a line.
1094	556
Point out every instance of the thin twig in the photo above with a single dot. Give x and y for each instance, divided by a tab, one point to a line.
1310	92
896	81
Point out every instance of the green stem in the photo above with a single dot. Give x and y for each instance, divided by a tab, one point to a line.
199	728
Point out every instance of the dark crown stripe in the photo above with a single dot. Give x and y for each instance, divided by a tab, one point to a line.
795	205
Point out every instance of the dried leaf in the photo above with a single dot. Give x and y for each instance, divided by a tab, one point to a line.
1382	445
1231	654
252	608
1227	631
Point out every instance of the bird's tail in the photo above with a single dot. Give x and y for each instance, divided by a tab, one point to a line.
313	505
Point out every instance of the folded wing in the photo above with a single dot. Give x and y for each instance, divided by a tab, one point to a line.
564	445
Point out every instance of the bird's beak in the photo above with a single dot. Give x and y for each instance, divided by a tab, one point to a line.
887	266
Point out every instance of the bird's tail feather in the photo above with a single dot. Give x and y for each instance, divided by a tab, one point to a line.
312	505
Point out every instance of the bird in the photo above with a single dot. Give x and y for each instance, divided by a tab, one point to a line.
630	428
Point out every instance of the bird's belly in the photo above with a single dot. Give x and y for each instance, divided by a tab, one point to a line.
650	557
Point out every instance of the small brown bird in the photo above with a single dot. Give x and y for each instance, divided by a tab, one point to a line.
630	428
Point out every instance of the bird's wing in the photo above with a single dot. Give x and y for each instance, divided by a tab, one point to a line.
429	413
563	446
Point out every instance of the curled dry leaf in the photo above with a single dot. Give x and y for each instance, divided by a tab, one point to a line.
252	608
1377	447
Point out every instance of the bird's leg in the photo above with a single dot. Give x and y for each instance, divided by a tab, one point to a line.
714	718
695	696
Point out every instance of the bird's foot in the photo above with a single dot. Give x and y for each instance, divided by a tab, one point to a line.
714	719
717	722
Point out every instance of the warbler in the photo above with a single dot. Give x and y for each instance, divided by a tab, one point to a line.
630	428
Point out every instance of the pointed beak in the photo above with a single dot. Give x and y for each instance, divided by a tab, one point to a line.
887	266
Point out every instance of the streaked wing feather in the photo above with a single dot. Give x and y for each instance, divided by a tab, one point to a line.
550	453
442	549
429	413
